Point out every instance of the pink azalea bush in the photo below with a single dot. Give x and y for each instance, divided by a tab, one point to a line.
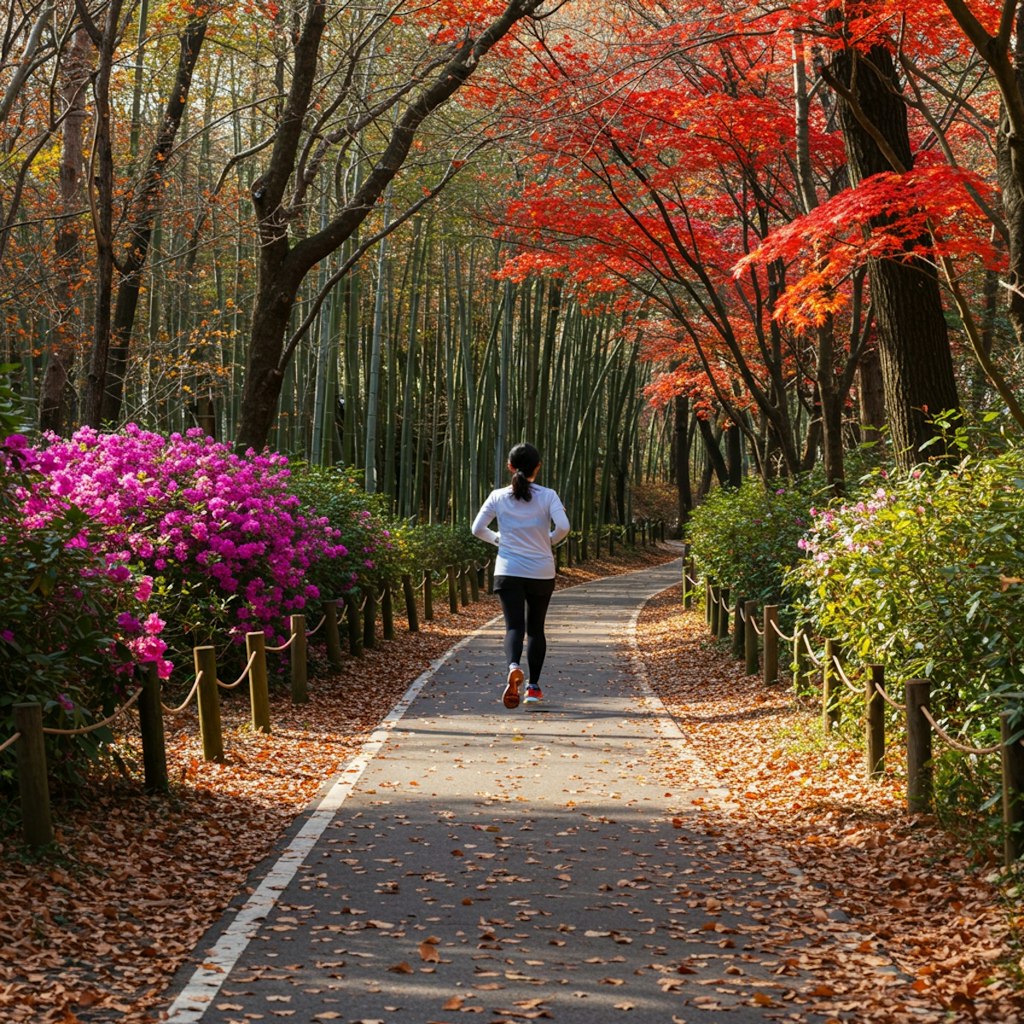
73	626
216	539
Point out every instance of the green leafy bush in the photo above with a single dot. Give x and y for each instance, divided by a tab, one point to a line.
747	538
923	575
379	548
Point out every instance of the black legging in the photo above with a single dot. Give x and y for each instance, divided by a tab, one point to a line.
525	604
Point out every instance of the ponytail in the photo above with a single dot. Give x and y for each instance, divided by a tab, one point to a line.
523	461
520	486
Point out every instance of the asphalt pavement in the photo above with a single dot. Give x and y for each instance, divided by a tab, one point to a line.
480	864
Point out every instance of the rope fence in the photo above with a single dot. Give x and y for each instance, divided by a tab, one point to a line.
10	741
86	729
956	744
185	703
356	614
242	678
758	643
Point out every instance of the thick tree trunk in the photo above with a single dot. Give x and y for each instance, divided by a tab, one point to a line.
733	437
913	343
1010	168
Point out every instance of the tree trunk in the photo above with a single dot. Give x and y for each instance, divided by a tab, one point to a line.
831	410
872	397
53	411
681	454
143	218
105	40
714	453
913	343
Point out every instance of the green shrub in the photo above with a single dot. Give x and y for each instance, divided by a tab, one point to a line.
379	548
925	575
747	538
922	575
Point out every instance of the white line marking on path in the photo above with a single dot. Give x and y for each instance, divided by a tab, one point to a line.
665	723
204	985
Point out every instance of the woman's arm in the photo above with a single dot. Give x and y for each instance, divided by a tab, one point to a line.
560	520
480	525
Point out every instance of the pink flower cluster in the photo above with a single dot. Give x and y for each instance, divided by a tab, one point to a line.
189	514
841	527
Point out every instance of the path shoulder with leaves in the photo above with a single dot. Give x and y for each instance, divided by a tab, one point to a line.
899	923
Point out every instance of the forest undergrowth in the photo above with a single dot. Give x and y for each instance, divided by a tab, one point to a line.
891	915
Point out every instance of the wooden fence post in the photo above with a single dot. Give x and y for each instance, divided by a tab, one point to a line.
410	603
919	747
750	636
737	628
800	660
611	543
1013	790
463	574
208	698
723	613
428	595
300	692
151	726
387	612
558	558
331	634
874	707
370	618
33	785
685	581
354	623
830	683
771	644
453	591
259	696
714	608
474	582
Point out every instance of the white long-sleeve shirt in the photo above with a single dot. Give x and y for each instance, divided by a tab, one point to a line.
525	537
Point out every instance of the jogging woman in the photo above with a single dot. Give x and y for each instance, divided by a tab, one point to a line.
524	573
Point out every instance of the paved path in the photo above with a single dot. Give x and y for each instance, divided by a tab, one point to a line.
479	864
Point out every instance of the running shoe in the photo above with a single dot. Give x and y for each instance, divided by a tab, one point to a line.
510	698
533	695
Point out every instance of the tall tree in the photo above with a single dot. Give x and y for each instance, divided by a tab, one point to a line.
913	341
384	115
